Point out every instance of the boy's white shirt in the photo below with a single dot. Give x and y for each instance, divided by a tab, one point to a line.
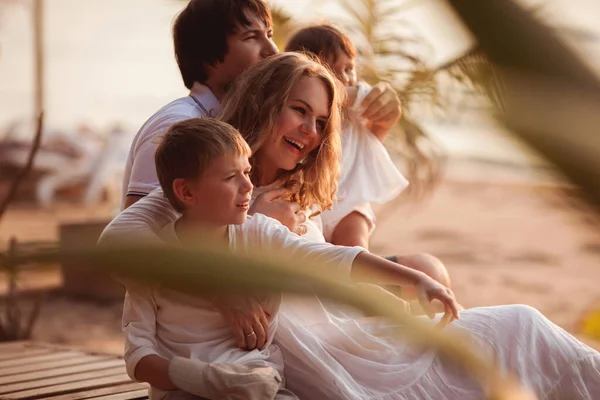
140	172
160	321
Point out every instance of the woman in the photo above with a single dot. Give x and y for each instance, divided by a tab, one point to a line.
291	125
286	107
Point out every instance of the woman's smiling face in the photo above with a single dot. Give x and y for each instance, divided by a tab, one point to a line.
298	130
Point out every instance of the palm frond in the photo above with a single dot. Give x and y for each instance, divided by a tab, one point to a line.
550	95
209	270
476	72
283	25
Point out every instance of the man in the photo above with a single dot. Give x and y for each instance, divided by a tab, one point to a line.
215	41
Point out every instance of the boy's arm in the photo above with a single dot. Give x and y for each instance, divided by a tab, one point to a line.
154	370
356	264
142	359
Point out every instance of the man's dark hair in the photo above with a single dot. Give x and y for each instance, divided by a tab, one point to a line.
201	29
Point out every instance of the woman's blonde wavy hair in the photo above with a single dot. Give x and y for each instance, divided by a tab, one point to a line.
255	101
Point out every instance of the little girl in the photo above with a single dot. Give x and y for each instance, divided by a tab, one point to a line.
364	158
367	172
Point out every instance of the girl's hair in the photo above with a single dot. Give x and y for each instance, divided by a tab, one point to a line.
255	101
325	41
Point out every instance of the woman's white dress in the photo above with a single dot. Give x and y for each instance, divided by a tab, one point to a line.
334	352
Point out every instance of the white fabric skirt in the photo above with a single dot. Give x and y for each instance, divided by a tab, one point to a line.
343	358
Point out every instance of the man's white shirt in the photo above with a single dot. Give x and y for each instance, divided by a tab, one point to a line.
140	176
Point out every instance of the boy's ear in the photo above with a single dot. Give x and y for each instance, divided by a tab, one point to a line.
182	192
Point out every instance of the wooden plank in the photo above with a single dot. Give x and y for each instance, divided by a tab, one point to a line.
63	347
23	353
22	346
65	362
59	380
18	344
67	387
137	394
71	369
39	359
106	391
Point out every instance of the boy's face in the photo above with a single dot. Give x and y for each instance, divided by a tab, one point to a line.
344	69
245	47
220	196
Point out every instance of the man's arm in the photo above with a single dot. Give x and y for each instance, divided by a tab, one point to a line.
143	178
141	222
130	200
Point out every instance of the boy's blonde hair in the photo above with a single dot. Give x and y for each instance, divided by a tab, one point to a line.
189	148
256	100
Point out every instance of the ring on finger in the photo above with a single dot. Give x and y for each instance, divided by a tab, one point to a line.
250	334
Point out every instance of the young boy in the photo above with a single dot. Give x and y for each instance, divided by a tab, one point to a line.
203	169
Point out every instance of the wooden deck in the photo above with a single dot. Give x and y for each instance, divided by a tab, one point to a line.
30	370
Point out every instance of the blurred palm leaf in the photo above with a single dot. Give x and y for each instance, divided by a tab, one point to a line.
215	269
550	96
475	71
283	25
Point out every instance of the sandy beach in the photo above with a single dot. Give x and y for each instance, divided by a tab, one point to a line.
505	239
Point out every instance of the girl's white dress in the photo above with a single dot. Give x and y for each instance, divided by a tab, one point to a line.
368	174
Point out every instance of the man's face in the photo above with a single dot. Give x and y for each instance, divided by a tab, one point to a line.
248	45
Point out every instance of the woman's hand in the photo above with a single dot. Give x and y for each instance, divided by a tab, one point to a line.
428	290
272	204
246	319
